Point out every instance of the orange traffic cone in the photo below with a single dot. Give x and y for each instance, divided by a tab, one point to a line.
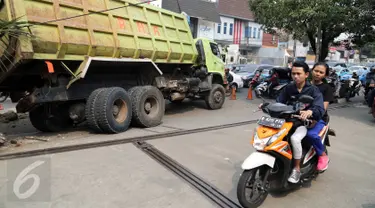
233	97
250	93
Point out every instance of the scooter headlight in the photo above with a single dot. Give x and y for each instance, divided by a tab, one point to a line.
260	144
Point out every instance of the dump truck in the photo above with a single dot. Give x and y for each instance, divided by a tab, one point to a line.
110	63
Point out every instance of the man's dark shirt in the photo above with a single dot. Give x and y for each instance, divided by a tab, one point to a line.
370	76
317	106
327	93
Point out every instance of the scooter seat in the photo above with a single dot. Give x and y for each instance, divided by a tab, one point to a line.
279	107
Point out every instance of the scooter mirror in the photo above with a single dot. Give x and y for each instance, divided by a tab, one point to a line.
306	99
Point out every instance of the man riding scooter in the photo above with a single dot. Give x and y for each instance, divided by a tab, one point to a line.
369	77
274	81
229	77
300	86
255	81
370	87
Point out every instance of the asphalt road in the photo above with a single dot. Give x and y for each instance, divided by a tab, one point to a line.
123	176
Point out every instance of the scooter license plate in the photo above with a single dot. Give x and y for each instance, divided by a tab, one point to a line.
275	123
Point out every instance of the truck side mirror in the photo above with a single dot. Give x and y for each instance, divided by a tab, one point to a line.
201	55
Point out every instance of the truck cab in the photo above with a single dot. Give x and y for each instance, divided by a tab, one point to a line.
210	57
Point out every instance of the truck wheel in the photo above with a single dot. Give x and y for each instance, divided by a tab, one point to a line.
90	110
113	110
131	90
148	106
215	99
47	119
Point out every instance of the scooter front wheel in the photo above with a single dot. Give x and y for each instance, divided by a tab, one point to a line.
252	188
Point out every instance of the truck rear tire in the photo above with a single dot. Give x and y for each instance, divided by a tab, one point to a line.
148	106
113	110
90	111
216	97
47	118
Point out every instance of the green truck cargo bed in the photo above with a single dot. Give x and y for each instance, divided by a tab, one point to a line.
132	31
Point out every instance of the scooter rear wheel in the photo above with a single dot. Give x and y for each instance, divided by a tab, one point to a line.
249	182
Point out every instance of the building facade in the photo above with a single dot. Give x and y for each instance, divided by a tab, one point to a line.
237	26
202	15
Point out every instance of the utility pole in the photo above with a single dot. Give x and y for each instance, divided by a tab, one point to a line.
294	49
318	43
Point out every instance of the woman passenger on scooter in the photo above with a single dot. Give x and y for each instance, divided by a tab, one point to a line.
319	72
300	86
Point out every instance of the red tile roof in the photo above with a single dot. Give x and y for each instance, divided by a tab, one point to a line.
236	8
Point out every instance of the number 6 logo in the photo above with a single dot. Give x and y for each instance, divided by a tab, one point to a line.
23	177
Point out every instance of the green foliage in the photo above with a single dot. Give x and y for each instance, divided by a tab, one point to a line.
14	28
302	18
368	50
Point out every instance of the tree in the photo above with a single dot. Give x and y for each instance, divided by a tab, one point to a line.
321	21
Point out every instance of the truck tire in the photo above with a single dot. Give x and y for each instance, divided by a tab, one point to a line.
54	119
113	110
131	90
90	111
216	97
148	106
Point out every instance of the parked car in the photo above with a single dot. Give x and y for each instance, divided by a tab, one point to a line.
362	78
247	72
358	69
341	72
369	65
346	76
337	65
237	80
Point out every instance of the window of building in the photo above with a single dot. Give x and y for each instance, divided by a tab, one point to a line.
225	28
247	35
259	34
219	28
231	29
255	32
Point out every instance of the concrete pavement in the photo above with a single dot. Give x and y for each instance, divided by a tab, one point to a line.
123	176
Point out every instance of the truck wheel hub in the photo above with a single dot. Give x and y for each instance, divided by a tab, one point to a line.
218	97
115	110
148	107
119	110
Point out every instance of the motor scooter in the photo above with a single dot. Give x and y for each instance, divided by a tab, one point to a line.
268	168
